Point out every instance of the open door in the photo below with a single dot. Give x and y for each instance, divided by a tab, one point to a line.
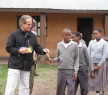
85	26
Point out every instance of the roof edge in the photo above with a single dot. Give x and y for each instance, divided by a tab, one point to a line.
41	10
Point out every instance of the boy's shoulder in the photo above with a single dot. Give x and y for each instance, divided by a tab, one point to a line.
59	43
104	41
84	46
73	42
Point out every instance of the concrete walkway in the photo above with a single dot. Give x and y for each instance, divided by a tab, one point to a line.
3	61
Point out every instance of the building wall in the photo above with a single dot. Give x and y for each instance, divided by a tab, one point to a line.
56	22
8	23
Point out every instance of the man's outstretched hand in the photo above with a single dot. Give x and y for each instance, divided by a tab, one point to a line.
46	50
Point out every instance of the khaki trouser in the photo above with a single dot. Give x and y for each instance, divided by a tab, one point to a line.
32	72
83	81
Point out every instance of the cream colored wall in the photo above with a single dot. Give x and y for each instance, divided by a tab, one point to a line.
56	22
8	23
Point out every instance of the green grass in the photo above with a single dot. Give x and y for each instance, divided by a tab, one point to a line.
45	71
3	78
45	83
46	74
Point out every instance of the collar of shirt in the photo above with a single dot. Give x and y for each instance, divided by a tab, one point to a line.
101	40
80	44
68	44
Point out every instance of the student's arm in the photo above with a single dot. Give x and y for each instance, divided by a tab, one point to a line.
87	57
89	48
88	60
104	55
76	59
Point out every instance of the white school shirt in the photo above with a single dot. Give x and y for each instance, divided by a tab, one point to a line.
67	44
98	51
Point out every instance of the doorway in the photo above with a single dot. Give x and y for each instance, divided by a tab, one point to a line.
85	26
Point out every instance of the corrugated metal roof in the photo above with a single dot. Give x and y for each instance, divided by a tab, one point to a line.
56	4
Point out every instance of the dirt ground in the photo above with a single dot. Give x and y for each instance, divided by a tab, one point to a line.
49	88
46	87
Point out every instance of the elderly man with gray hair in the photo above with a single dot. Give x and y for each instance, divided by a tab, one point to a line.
21	44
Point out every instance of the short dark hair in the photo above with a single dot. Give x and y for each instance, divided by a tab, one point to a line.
99	30
66	29
78	34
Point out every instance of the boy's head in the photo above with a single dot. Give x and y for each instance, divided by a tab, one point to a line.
66	34
97	34
34	24
76	36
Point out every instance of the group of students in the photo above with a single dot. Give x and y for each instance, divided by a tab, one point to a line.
78	64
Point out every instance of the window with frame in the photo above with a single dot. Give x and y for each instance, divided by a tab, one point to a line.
37	18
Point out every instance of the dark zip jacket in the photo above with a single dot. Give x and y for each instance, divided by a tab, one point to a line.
16	40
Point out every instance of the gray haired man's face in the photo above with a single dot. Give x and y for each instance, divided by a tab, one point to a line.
27	26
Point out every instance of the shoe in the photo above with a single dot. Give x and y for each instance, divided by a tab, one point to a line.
36	74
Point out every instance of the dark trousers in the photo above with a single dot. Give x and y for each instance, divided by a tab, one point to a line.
65	79
83	81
